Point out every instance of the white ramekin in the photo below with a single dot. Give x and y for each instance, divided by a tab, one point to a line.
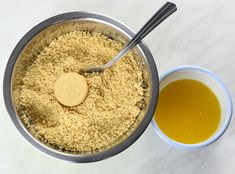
215	84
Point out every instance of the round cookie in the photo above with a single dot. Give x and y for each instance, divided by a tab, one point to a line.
71	89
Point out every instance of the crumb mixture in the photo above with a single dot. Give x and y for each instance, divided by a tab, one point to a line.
110	108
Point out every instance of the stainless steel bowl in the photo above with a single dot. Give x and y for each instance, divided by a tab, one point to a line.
41	35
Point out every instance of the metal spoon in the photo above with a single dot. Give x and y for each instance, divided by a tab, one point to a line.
165	11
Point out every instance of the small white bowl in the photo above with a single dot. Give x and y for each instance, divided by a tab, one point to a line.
215	84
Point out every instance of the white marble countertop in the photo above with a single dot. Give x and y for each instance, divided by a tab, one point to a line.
200	33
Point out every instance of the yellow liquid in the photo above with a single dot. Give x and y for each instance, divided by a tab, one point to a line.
188	111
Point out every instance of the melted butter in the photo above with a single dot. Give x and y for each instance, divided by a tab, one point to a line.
188	111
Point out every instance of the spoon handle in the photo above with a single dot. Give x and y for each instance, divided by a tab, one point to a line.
165	11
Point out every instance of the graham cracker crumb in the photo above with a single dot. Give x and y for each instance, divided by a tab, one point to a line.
112	103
